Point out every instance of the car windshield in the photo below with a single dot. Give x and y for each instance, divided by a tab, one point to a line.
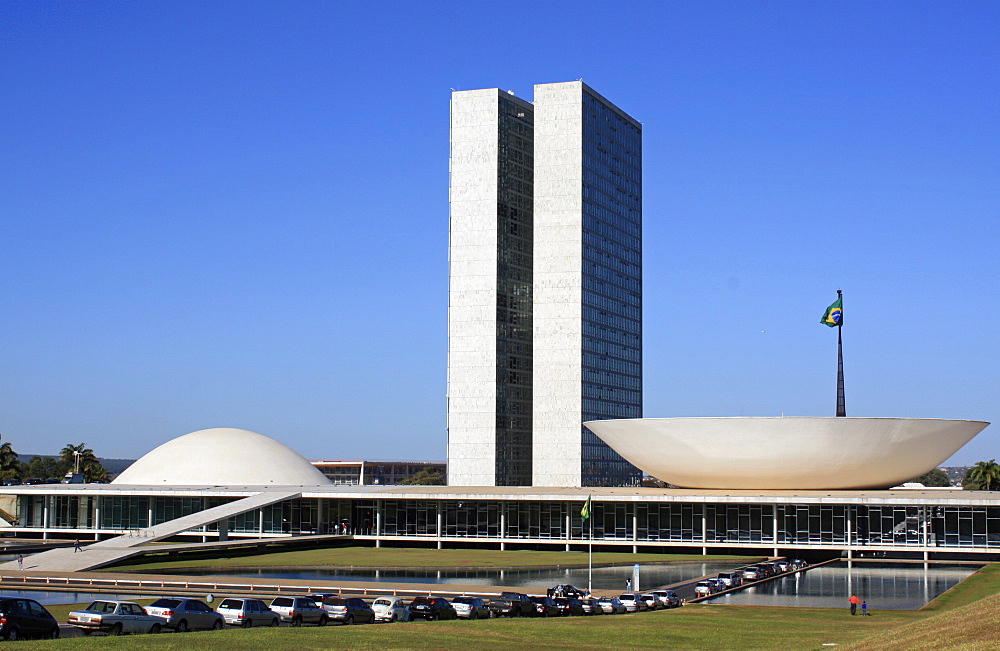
335	601
627	597
235	604
508	595
102	607
166	603
382	602
463	600
420	601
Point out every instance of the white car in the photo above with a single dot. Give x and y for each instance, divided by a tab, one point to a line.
390	609
114	618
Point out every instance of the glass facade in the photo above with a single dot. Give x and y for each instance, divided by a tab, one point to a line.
681	523
514	276
612	285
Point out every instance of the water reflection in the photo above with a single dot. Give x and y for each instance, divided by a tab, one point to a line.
895	586
605	578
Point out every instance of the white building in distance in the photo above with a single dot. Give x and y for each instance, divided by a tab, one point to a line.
545	299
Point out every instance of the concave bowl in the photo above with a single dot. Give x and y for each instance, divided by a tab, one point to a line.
786	453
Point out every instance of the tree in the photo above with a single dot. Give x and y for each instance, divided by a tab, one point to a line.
43	468
10	467
935	478
88	464
426	477
985	475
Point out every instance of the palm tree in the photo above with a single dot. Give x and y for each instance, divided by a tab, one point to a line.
986	474
69	454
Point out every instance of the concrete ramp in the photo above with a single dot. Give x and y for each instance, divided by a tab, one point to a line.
119	548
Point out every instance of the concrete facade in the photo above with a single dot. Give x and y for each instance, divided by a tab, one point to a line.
544	319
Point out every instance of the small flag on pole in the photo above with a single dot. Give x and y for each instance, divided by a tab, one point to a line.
834	315
585	511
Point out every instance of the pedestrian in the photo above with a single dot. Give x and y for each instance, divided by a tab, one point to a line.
76	546
628	585
854	601
864	609
20	562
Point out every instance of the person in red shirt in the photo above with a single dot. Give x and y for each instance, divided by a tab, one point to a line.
854	601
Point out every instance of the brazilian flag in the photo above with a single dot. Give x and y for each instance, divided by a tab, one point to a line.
834	315
585	511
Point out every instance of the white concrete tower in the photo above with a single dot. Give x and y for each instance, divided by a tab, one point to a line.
489	305
587	285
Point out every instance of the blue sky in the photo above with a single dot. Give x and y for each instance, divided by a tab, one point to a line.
235	214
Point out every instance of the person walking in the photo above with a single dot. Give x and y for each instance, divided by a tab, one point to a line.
854	601
864	609
76	546
20	562
628	585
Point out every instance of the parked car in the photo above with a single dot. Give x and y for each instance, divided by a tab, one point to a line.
783	566
247	613
390	609
349	610
669	598
26	618
565	590
752	573
431	608
544	607
512	604
115	618
704	588
650	601
612	605
799	564
299	610
632	601
182	614
569	606
730	579
470	607
592	606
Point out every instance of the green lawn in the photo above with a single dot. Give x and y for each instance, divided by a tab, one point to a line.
691	627
384	557
966	618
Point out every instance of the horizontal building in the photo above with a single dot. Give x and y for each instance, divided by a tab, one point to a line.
367	473
928	523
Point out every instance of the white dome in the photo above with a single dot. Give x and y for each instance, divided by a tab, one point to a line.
222	457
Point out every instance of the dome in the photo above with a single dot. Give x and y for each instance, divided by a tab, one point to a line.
785	453
222	457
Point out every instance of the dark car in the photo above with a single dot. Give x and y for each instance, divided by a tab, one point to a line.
431	608
592	606
566	591
183	614
544	607
24	618
569	606
512	604
348	610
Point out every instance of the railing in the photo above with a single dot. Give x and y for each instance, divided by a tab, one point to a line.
202	587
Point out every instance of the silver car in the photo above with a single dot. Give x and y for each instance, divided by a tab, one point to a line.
299	610
183	614
247	613
470	607
114	618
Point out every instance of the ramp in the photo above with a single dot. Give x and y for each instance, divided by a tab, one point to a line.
109	551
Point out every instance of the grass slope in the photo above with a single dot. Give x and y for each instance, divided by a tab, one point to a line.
692	627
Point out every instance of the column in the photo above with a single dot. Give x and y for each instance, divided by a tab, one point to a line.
45	516
260	521
774	527
704	528
439	528
503	525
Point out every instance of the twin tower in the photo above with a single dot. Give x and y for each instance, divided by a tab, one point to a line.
545	293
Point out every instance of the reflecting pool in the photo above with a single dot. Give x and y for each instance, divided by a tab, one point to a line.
605	578
893	586
53	598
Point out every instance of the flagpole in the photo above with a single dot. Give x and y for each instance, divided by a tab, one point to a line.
590	557
841	402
